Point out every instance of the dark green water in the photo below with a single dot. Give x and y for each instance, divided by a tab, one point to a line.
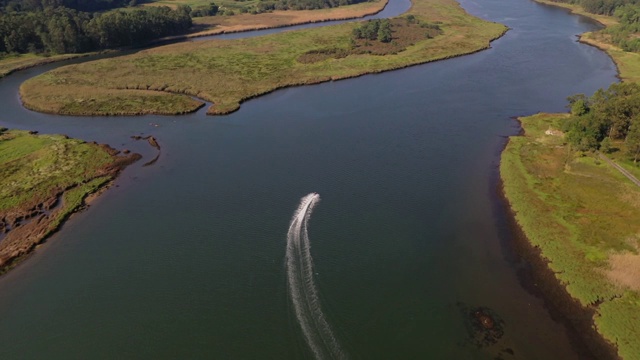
186	259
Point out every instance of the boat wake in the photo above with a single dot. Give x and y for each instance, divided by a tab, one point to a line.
302	289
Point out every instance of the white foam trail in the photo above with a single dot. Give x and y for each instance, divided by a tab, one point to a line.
302	289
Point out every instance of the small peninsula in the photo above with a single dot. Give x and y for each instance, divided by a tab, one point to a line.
165	80
43	180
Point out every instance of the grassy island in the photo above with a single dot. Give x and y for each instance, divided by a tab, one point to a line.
43	179
581	212
163	80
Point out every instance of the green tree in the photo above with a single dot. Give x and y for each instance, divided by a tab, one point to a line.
384	31
606	146
579	108
633	142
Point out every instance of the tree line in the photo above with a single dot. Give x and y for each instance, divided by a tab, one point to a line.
374	30
65	30
601	7
609	117
76	26
80	5
622	34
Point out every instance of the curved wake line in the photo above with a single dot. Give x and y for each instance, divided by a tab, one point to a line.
302	289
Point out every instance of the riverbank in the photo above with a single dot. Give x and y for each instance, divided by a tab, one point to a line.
583	217
163	80
581	213
12	63
43	180
628	63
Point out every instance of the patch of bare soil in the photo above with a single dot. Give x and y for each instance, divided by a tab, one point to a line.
625	270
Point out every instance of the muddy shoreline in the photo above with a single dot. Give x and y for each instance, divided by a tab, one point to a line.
537	278
30	225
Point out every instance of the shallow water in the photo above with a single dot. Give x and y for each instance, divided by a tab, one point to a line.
186	258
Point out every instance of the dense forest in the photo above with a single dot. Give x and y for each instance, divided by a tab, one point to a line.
80	5
609	117
44	26
625	33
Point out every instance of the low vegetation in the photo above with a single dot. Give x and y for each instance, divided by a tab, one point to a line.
584	216
151	79
43	179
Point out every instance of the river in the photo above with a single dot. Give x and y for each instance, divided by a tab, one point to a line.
185	259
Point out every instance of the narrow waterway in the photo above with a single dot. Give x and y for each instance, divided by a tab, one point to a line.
187	258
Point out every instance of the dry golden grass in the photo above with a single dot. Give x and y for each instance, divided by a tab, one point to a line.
625	270
212	25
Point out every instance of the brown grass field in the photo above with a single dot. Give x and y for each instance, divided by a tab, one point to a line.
212	25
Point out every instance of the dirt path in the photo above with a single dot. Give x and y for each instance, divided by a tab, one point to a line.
621	169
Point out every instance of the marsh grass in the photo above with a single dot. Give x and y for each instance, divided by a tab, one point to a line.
33	167
227	72
578	211
43	180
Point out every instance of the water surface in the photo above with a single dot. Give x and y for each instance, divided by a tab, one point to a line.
186	258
